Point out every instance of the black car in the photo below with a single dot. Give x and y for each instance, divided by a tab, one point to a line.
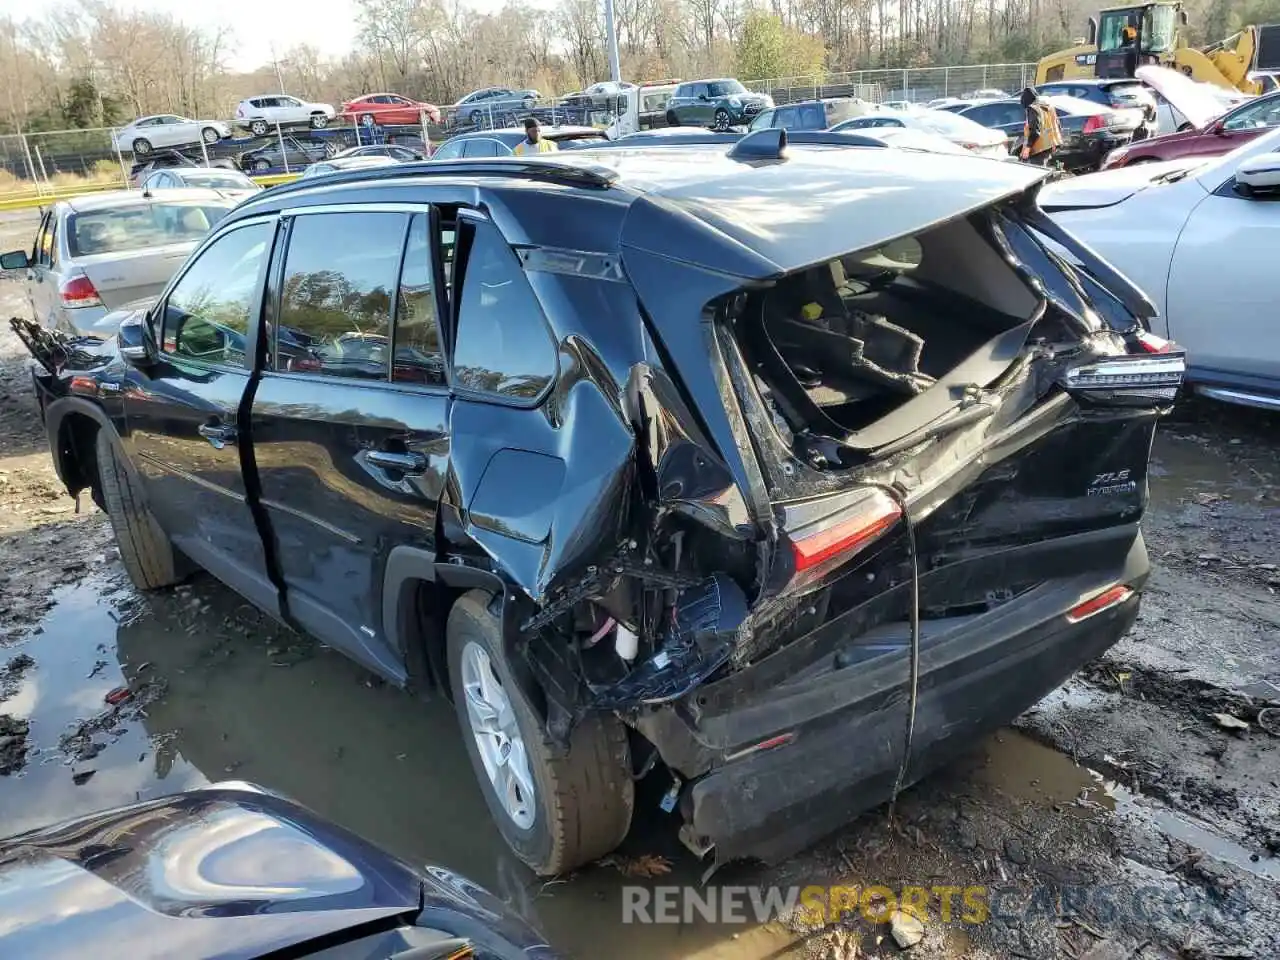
158	160
1090	131
390	150
687	458
501	142
232	871
1118	94
286	154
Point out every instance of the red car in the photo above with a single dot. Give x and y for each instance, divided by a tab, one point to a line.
1209	138
388	108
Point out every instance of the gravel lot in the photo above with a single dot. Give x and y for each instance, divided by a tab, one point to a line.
1119	818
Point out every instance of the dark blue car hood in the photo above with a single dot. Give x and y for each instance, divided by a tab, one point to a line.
226	872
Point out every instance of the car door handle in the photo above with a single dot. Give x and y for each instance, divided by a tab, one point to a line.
407	463
218	434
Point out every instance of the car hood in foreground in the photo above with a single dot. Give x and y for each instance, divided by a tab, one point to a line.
226	871
1110	187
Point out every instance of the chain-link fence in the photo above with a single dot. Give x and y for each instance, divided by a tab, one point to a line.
919	85
46	164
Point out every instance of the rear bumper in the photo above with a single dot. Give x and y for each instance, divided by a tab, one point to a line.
976	674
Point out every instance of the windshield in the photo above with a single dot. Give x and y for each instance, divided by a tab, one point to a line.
215	181
139	226
1159	29
725	88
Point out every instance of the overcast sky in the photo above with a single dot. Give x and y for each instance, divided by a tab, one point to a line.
258	24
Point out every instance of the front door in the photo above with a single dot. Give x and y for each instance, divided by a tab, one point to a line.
42	285
182	414
1223	288
349	421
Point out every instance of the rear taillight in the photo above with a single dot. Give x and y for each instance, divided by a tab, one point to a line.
79	292
1144	342
1095	123
1143	379
971	146
835	529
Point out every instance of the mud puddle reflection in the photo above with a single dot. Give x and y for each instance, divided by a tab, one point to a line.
1027	771
239	698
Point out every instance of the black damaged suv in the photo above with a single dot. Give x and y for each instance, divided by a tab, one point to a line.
801	465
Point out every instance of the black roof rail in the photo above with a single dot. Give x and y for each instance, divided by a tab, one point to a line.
529	168
821	138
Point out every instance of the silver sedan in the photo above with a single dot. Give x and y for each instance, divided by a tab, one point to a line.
96	253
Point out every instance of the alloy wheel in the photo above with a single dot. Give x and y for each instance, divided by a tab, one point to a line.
498	738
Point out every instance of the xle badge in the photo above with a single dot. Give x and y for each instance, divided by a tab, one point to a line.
1110	484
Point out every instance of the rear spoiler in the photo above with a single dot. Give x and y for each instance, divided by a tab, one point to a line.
1135	301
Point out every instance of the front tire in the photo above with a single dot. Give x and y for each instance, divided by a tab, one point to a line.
145	550
141	147
261	165
210	135
721	121
556	812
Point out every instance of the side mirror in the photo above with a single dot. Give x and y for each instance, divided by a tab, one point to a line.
1218	128
1259	174
135	342
14	260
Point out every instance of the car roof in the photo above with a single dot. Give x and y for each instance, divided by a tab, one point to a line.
124	198
551	133
696	202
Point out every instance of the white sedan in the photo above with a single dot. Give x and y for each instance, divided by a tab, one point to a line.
167	130
1199	238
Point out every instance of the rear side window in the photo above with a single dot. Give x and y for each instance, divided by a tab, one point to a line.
138	226
504	348
812	117
418	357
335	301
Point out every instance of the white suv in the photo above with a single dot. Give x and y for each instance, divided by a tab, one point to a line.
262	113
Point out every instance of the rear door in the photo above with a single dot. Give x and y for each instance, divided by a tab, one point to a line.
350	448
183	425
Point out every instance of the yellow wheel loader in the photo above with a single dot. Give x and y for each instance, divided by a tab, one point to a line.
1244	61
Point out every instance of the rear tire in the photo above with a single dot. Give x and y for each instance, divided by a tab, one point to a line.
210	135
583	800
258	128
672	119
262	166
319	121
147	553
141	147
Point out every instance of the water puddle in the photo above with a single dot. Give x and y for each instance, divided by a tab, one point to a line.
245	700
1030	772
1186	468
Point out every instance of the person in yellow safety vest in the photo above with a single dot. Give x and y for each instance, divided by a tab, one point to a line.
533	141
1041	132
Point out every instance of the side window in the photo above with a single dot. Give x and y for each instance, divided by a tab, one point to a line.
785	117
335	302
761	122
418	357
503	346
812	117
448	151
40	253
207	313
1263	114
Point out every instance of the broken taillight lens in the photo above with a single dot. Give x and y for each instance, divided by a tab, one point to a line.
835	529
79	292
1145	342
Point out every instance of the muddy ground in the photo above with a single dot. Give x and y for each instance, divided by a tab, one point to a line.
1134	813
